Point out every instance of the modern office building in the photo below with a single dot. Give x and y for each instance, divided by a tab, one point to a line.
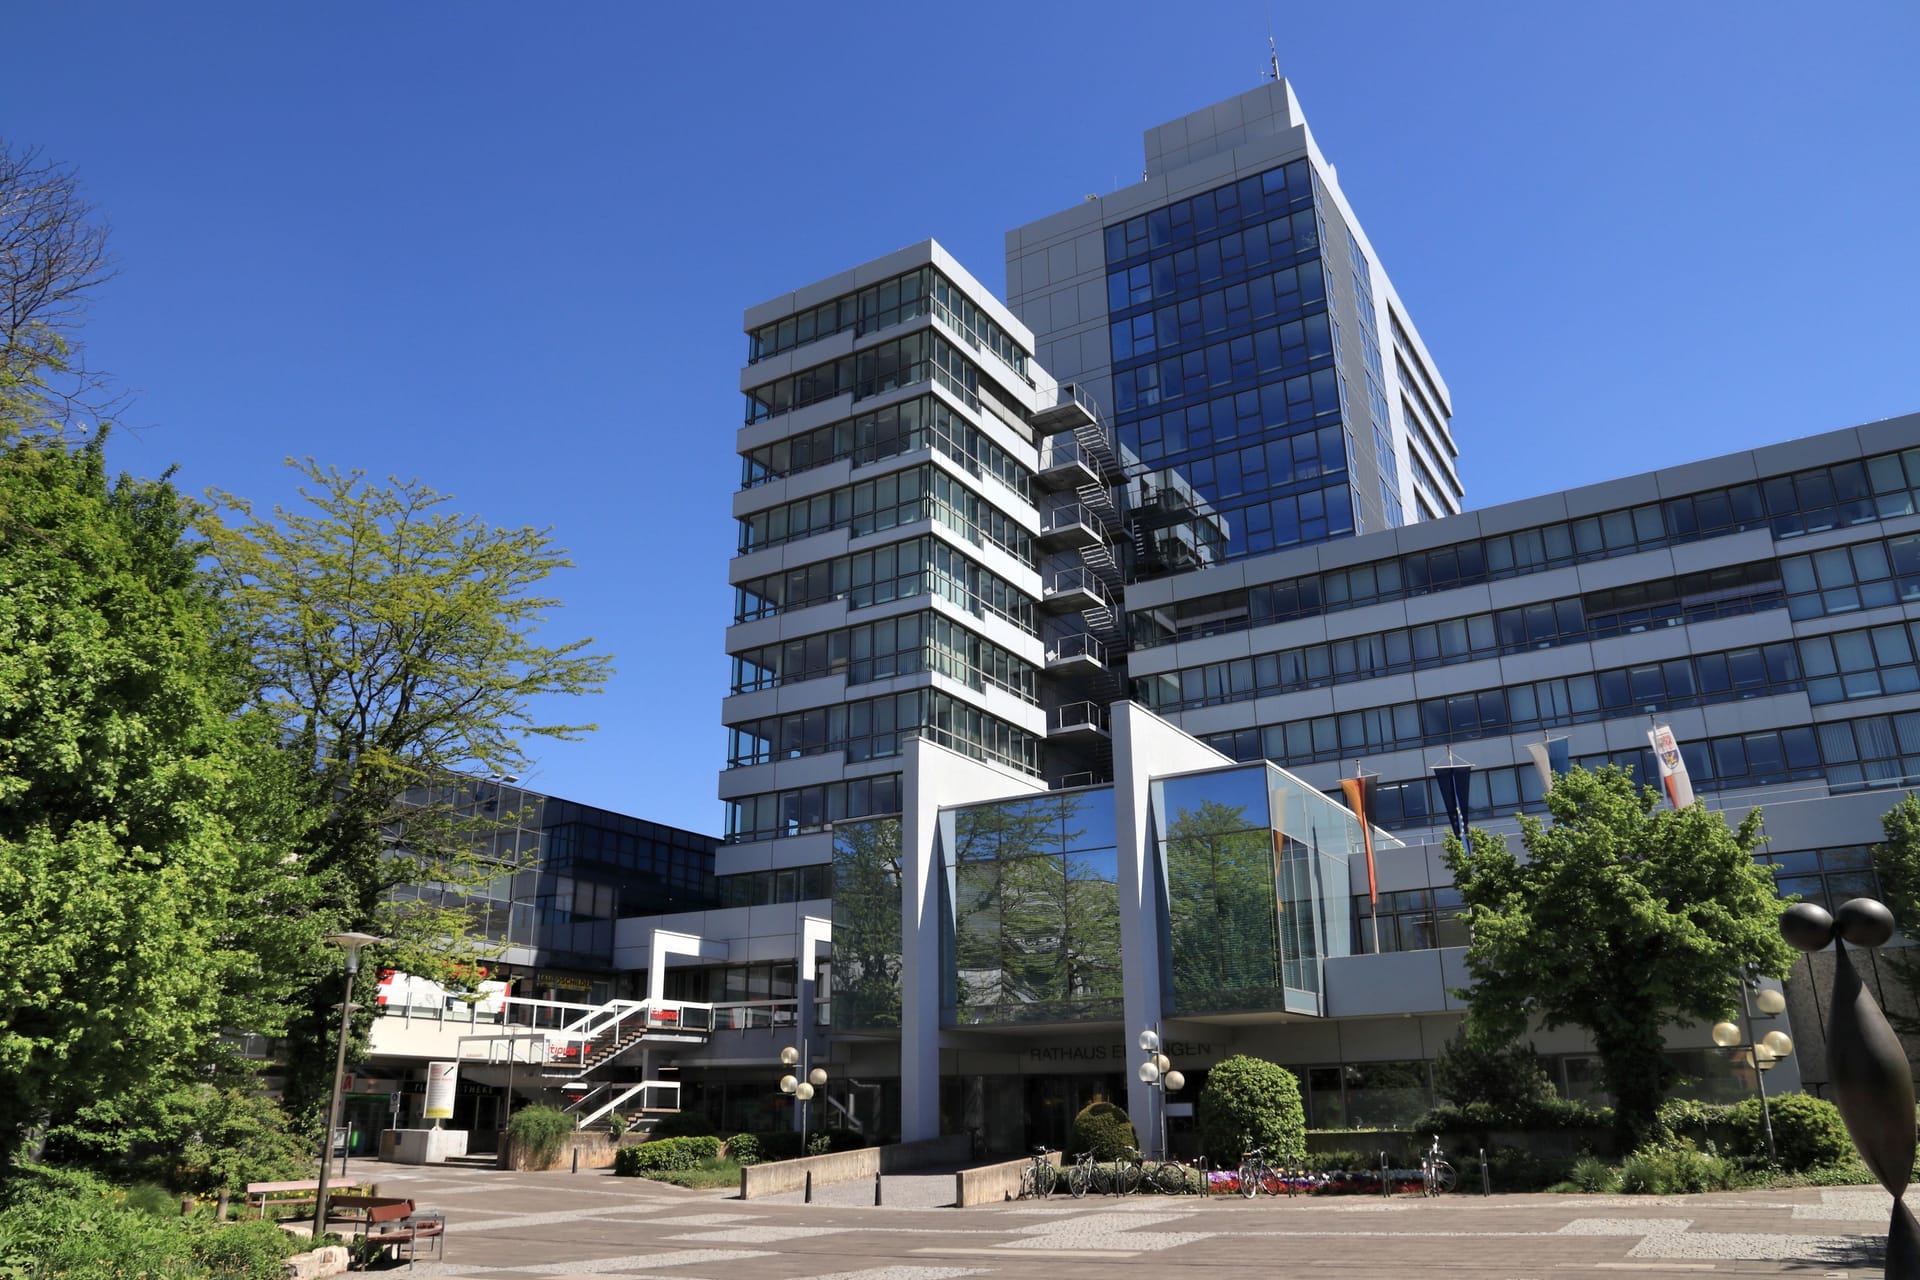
1057	623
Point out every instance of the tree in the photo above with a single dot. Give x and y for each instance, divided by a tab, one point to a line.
397	645
1619	920
1503	1075
1897	863
53	257
1247	1103
146	823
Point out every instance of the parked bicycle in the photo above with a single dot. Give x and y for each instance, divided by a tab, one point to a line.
1256	1173
1129	1172
1086	1175
1038	1179
1175	1178
1436	1175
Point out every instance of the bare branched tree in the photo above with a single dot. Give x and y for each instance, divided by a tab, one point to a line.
53	257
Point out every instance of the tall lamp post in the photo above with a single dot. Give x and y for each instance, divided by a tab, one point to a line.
1157	1073
351	943
800	1086
1762	1053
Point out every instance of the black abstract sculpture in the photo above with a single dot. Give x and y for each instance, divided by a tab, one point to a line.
1872	1083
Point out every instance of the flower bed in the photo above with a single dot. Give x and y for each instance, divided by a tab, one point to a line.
1339	1182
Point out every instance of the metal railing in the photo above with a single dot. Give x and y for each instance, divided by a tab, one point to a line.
1075	646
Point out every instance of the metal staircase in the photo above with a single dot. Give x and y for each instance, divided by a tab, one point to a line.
590	1049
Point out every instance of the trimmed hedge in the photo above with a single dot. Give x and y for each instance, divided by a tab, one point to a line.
1250	1102
1104	1129
1807	1131
662	1154
744	1148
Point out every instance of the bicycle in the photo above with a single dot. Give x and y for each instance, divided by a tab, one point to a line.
1129	1172
1254	1171
1038	1179
1436	1175
1174	1178
1086	1175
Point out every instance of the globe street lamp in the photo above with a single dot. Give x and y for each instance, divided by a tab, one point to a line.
1157	1073
801	1087
1761	1054
351	943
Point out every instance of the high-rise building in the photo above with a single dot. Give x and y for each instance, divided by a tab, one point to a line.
1265	382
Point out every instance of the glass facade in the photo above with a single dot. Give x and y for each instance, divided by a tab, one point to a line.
865	979
1032	910
1248	861
1224	380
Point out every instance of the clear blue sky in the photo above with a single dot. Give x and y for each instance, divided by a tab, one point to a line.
505	248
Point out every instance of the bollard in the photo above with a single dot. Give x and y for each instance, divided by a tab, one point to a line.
809	1192
876	1188
1386	1181
1206	1183
576	1160
1486	1176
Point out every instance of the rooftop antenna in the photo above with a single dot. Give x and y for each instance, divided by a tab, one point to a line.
1273	52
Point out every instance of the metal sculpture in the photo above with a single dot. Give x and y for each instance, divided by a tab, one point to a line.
1872	1082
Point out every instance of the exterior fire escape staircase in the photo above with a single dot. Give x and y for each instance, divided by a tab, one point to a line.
1080	525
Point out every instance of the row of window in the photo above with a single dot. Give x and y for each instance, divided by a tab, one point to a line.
808	809
1247	416
1279	295
1579	699
873	308
775	888
1305	455
1850	755
898	571
918	357
887	502
959	311
1180	272
1263	355
889	647
1693	597
1865	575
1407	356
1615	533
1211	213
927	422
875	728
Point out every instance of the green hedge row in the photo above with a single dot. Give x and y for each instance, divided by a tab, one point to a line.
664	1153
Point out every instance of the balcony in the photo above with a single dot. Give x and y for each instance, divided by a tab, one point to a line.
1076	652
1065	465
1074	590
1071	527
1077	721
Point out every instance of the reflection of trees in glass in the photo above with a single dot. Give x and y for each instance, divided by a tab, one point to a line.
1034	925
1221	907
866	923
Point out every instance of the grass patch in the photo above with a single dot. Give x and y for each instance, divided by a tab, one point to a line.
705	1175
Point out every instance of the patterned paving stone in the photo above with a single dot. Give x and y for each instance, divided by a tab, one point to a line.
757	1235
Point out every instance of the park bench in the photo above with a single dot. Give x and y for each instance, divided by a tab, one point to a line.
262	1196
395	1224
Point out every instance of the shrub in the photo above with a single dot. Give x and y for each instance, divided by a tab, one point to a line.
784	1145
1481	1118
1103	1128
1249	1102
244	1251
616	1125
1807	1131
1592	1174
1674	1167
1511	1168
662	1154
1507	1079
684	1124
62	1223
537	1135
743	1148
226	1138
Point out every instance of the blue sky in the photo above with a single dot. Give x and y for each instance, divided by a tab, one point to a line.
506	248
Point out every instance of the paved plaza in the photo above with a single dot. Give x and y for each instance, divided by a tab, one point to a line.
523	1226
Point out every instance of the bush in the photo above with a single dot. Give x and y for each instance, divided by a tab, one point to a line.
662	1154
1807	1131
1511	1168
1591	1174
1103	1128
537	1135
227	1138
1674	1167
784	1145
1481	1118
1249	1102
1505	1079
244	1251
684	1124
743	1148
616	1125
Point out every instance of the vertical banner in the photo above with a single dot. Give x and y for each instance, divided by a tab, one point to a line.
441	1078
1673	769
1359	793
1551	758
1453	779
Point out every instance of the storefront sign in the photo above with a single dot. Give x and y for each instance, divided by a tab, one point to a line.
1118	1052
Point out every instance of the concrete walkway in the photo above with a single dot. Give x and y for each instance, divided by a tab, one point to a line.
519	1226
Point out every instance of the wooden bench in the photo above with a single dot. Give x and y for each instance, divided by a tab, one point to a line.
395	1224
264	1195
352	1207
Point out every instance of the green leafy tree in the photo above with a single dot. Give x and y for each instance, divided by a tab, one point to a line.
1247	1103
1503	1075
396	644
1223	909
1897	863
149	895
1619	920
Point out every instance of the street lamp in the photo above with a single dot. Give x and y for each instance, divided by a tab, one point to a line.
801	1087
1157	1073
1760	1054
351	943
